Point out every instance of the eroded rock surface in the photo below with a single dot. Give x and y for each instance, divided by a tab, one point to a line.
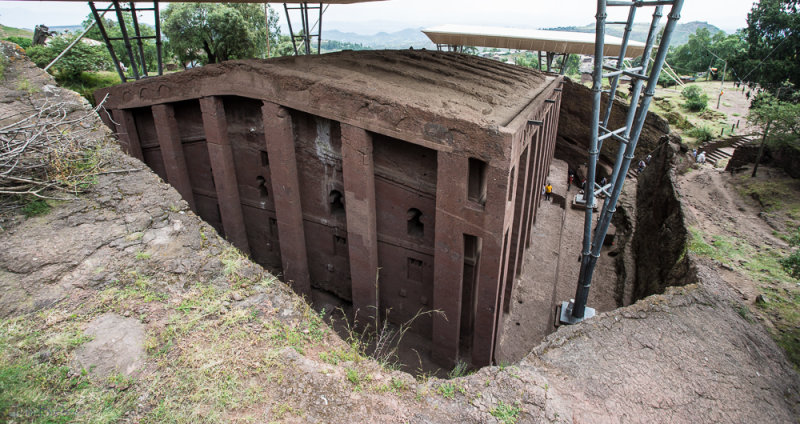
117	346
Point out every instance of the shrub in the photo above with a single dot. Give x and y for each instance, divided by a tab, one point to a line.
701	133
23	42
696	99
791	263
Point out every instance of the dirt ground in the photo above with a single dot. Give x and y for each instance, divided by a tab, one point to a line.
224	341
556	240
744	240
733	106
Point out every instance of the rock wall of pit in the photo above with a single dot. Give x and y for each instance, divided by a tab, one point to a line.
661	238
784	157
574	128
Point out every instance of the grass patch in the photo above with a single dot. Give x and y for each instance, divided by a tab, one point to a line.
337	356
86	83
448	390
36	207
506	413
459	370
764	267
357	378
772	195
36	384
783	307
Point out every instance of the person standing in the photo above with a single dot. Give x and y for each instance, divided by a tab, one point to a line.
570	180
548	191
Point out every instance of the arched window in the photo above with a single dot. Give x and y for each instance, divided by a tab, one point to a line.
415	226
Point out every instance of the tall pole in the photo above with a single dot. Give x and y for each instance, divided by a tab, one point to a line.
266	22
584	281
158	38
592	245
761	149
722	84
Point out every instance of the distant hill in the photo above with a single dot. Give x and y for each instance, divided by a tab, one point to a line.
410	37
639	33
7	31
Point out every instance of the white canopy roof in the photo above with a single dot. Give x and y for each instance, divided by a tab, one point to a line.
528	39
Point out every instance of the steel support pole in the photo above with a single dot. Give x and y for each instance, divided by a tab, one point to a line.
99	20
291	31
615	81
306	27
319	29
158	38
138	37
588	264
584	281
127	40
634	98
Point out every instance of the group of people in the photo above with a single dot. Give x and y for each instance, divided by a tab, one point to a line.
699	157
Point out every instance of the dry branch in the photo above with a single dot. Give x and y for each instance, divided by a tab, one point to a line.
50	150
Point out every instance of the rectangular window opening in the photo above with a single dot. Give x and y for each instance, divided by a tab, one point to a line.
511	184
476	187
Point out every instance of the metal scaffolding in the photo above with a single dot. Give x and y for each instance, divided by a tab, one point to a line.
137	60
576	310
307	31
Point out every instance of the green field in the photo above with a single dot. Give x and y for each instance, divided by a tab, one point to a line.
7	31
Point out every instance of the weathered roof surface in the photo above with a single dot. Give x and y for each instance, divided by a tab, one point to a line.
528	39
474	88
450	85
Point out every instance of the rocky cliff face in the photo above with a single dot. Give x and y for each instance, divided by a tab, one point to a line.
661	238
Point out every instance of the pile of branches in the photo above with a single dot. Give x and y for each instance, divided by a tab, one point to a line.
50	153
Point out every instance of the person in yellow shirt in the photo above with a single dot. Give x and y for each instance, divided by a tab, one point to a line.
548	190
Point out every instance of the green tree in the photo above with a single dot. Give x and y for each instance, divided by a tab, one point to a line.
773	42
704	51
82	57
780	120
694	56
215	32
113	30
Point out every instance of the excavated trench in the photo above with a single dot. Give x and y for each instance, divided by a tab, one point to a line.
647	254
644	252
652	208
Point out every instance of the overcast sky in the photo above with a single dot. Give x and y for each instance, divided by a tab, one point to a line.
394	15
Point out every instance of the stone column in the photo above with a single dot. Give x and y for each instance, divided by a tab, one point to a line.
127	133
491	270
362	234
220	155
448	261
279	136
171	150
